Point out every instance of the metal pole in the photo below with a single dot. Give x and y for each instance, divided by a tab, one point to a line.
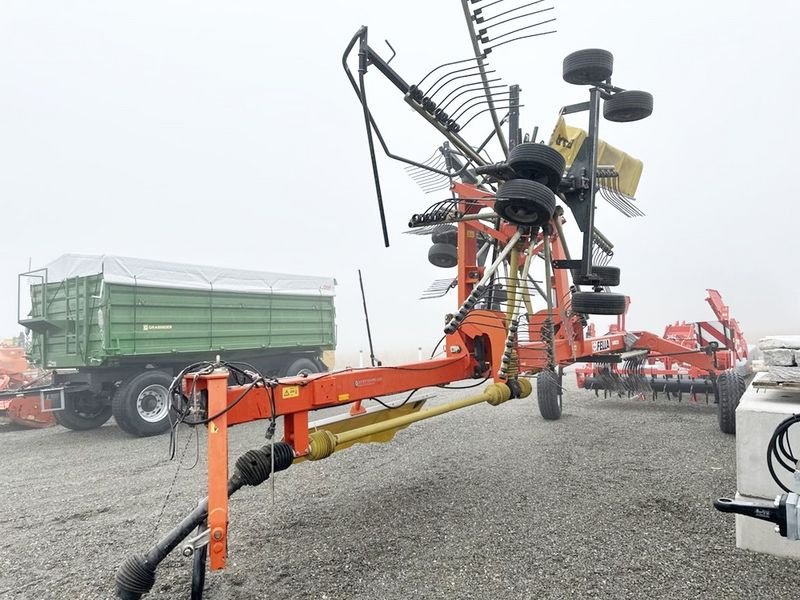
479	58
513	117
591	159
366	318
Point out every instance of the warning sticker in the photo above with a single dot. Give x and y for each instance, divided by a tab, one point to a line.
290	391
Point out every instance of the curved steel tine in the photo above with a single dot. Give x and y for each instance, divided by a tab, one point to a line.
523	37
446	101
484	100
472	118
473	98
446	75
456	78
447	64
519	29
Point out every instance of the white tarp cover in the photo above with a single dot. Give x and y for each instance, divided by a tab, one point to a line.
153	273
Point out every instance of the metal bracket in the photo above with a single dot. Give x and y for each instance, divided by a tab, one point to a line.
195	542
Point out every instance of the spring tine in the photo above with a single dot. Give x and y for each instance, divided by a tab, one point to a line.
446	76
522	37
486	28
447	64
485	100
483	96
425	162
480	20
445	102
472	118
456	78
486	39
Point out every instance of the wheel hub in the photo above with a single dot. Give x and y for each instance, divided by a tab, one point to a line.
152	403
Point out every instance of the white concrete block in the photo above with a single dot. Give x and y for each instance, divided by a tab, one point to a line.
779	357
779	341
759	536
759	412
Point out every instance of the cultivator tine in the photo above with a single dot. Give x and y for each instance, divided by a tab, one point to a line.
634	380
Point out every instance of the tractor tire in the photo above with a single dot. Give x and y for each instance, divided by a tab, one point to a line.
538	162
598	303
525	202
83	411
548	394
141	405
443	255
728	392
607	276
587	67
302	366
628	106
447	234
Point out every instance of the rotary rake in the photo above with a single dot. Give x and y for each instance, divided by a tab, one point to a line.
522	300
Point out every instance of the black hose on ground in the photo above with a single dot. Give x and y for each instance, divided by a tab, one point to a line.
137	574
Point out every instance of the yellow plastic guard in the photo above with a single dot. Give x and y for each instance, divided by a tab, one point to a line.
568	141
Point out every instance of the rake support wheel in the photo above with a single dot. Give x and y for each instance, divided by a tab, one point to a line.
631	105
447	234
598	303
548	394
538	162
443	255
587	67
606	276
525	202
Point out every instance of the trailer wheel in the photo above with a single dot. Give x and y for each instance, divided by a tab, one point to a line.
587	67
607	276
537	162
141	405
548	394
83	411
525	202
729	390
302	366
598	303
443	255
627	106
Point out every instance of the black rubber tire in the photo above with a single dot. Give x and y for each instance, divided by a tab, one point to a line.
587	67
443	255
538	162
83	411
126	400
607	276
548	395
302	366
728	392
446	234
525	202
598	303
628	106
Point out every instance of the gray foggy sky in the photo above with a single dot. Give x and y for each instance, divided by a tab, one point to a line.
226	134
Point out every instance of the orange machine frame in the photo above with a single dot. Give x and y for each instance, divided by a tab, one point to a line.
295	397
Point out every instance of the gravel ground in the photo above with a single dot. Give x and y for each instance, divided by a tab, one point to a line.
613	500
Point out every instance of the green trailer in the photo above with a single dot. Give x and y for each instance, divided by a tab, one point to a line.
114	331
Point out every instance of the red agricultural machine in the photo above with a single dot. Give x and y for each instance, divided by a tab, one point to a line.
500	224
19	404
676	373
